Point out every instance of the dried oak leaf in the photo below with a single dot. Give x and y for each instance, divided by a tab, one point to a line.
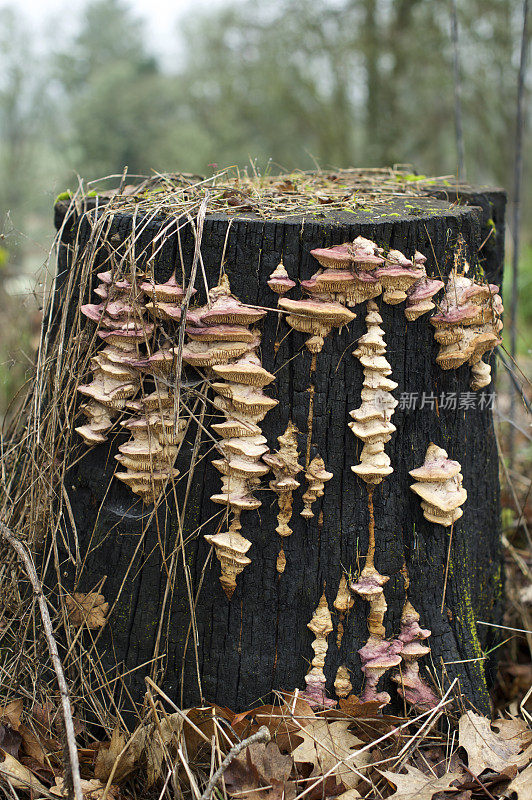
509	745
18	775
326	745
158	741
416	785
92	790
261	771
351	705
521	785
86	609
116	750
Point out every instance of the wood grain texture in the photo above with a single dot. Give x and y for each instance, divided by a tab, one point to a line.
259	641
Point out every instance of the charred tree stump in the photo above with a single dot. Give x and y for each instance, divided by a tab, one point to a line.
236	652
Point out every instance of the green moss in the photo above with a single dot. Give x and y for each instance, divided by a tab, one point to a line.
67	195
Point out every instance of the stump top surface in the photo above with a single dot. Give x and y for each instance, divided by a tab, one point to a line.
350	196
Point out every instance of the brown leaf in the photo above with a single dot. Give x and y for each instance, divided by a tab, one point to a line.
260	771
17	774
10	740
488	749
521	785
160	740
92	790
109	753
351	705
326	745
86	609
415	785
12	713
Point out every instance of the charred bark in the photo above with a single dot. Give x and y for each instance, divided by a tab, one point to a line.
259	641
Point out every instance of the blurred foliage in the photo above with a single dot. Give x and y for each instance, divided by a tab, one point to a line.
285	84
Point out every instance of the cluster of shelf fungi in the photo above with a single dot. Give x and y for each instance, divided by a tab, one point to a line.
222	341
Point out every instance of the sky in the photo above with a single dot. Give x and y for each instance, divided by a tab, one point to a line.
161	17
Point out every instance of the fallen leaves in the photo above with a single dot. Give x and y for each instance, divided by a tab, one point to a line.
262	773
320	755
86	609
331	749
417	785
508	745
19	776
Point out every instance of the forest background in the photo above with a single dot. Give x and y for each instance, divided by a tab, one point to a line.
268	86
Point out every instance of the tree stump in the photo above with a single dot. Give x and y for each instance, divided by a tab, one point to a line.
235	652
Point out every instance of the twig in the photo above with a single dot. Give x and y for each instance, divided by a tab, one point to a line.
262	735
457	94
54	655
518	177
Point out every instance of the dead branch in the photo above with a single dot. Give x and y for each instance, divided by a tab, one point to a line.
72	752
262	735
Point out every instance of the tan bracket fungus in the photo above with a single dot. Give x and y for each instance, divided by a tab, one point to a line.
316	477
158	426
343	603
342	683
439	484
468	325
371	421
284	465
321	626
115	380
221	340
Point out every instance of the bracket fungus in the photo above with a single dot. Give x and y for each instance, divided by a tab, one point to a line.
343	603
439	484
284	465
316	477
223	342
114	380
316	317
279	281
321	626
148	457
371	421
342	683
377	655
397	275
420	294
410	684
158	427
468	325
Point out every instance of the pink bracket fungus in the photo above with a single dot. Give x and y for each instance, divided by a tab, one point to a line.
397	275
279	281
468	325
439	484
284	465
224	343
371	421
420	293
410	684
377	655
321	626
316	477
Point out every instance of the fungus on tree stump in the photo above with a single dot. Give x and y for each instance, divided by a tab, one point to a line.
238	650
